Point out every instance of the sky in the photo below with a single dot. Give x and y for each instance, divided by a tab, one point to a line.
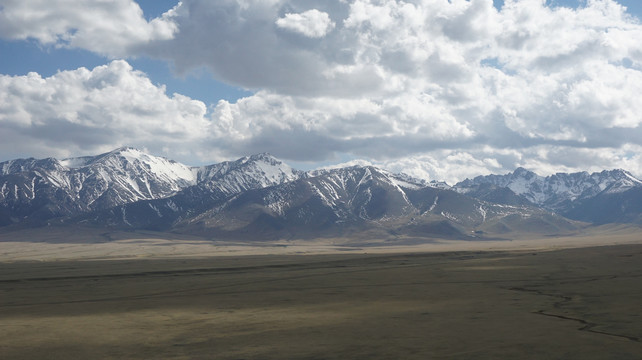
438	89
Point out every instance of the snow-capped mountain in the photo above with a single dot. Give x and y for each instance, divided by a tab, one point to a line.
337	195
250	172
556	192
127	175
259	196
347	201
41	189
214	183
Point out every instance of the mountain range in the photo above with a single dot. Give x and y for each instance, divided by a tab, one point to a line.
259	197
610	196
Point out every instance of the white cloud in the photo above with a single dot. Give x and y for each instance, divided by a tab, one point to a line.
112	28
305	128
94	110
312	23
456	165
355	162
444	165
442	88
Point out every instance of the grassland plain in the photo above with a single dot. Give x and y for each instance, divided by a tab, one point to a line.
581	303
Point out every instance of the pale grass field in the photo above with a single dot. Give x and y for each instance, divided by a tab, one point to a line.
133	296
85	243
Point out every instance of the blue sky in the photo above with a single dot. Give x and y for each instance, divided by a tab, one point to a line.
447	90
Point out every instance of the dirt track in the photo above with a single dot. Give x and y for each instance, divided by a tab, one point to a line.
566	304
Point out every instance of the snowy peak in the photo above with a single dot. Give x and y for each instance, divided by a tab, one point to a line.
246	173
616	181
439	185
160	167
83	161
50	188
522	182
520	172
128	159
337	202
271	170
30	164
129	186
126	175
365	192
315	202
129	153
261	157
556	191
132	160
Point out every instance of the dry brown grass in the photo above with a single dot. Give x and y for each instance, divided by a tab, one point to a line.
579	303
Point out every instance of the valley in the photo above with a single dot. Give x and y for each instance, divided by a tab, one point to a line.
580	303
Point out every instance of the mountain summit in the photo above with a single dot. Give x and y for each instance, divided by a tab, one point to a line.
40	189
555	192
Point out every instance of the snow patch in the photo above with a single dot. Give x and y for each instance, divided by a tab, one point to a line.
434	204
124	213
155	210
482	211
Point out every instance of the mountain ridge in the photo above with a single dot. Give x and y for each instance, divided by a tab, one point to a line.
559	192
261	196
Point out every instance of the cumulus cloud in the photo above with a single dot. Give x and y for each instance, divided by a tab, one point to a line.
453	166
112	28
345	119
433	88
453	80
312	23
85	111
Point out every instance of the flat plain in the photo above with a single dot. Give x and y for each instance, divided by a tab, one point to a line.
578	303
